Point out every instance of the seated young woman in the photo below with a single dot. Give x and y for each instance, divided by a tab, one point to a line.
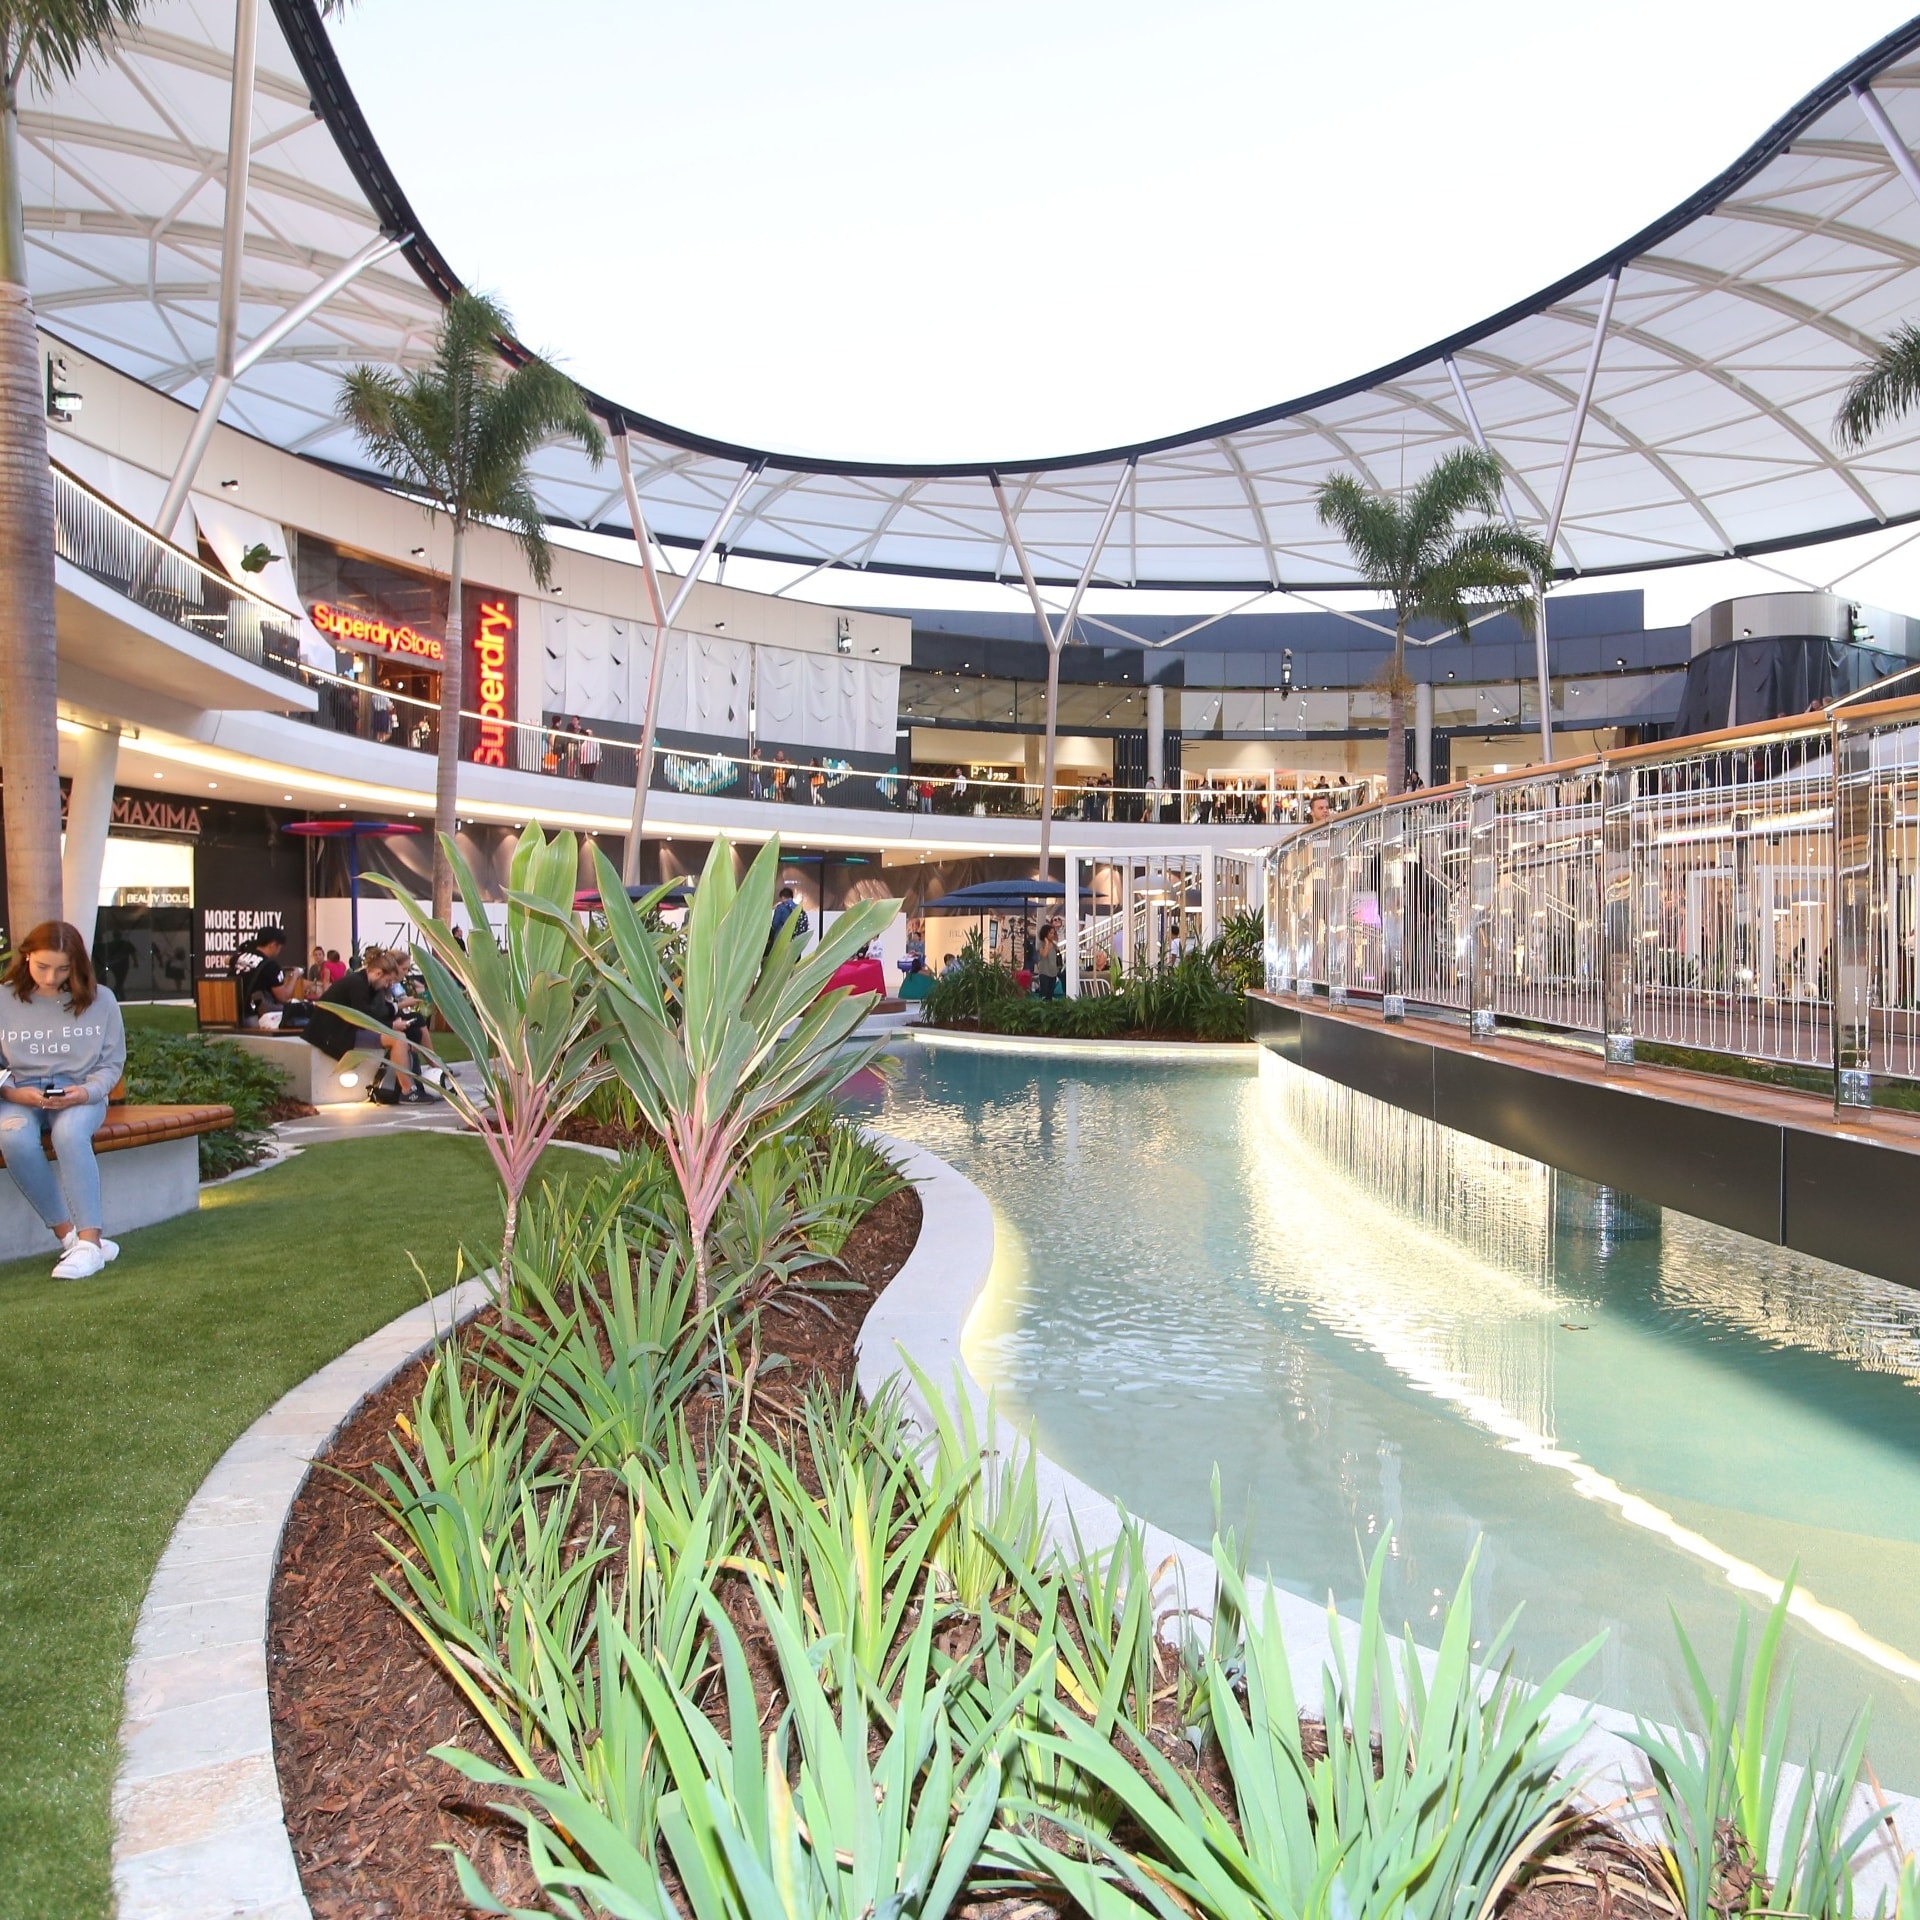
62	1050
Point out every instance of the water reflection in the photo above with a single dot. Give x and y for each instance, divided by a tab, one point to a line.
1365	1319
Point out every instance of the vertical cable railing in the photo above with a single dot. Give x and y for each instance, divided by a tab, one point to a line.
91	533
1753	893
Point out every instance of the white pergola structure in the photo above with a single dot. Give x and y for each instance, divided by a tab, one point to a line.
1670	402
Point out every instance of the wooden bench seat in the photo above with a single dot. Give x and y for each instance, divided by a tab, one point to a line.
138	1126
149	1171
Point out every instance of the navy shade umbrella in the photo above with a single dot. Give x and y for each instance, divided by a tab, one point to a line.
1004	896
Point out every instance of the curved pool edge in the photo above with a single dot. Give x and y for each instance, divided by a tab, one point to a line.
923	1314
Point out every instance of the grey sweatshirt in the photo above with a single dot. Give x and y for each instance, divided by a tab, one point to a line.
40	1042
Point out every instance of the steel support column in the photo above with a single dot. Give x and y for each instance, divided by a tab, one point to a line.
1393	913
1619	926
1056	638
1073	925
1482	882
233	245
1479	437
1608	288
1897	151
1850	954
200	436
664	618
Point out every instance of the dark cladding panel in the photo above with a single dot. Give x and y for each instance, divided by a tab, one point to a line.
1721	1166
1371	1060
1853	1202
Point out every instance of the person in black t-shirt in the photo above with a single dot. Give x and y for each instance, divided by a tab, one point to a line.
266	987
369	990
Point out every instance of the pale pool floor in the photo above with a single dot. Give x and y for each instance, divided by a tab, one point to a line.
1186	1277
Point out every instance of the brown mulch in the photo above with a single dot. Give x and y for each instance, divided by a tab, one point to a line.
358	1701
287	1108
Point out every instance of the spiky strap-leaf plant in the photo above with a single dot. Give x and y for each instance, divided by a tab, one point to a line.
745	1041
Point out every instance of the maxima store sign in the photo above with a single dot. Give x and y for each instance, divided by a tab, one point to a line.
367	633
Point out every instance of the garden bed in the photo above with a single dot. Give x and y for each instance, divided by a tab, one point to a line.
358	1701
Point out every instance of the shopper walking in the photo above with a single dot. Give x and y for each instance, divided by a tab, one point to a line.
589	755
62	1049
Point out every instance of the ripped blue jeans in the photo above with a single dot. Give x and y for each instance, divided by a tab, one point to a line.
69	1187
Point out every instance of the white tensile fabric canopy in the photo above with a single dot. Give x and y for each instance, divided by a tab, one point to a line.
1716	345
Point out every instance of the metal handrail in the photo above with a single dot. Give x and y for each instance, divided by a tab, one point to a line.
1754	891
755	774
108	545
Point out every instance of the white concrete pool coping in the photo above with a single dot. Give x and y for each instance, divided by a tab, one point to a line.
1195	1053
199	1826
923	1315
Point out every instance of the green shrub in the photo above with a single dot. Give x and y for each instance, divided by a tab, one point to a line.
1238	955
967	990
168	1069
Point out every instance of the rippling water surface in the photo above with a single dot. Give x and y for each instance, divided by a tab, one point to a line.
1364	1320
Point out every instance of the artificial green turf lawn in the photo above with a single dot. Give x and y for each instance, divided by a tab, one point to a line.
117	1395
150	1017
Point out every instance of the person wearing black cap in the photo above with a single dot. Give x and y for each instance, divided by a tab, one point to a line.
266	987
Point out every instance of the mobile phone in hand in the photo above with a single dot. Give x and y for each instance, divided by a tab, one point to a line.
58	1090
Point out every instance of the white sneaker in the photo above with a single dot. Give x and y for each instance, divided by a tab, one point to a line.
111	1248
81	1261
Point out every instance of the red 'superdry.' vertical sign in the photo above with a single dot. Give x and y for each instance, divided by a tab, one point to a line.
492	632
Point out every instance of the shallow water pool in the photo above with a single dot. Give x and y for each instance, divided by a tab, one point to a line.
1367	1321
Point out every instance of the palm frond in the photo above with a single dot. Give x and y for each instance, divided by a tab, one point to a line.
1372	526
1884	390
1484	568
461	430
1466	482
47	40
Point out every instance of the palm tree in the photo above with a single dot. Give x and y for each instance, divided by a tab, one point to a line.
41	41
1883	390
459	433
1413	549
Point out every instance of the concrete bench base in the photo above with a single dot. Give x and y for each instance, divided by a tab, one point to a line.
139	1186
311	1075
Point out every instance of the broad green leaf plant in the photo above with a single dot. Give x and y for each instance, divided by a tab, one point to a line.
745	1041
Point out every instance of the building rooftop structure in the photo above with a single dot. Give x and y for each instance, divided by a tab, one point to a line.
1671	401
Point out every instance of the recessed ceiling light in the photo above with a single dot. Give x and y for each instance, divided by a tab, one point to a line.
419	553
286	796
213	786
228	486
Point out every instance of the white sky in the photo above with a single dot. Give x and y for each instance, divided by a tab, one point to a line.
890	230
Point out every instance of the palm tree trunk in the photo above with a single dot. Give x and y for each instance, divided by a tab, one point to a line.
446	779
29	731
1397	715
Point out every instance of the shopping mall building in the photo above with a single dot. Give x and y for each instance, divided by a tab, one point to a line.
252	624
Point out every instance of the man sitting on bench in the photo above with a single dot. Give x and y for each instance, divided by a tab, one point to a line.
369	990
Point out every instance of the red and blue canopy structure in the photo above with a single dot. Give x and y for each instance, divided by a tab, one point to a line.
352	832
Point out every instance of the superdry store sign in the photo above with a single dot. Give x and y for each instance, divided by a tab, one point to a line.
492	621
367	633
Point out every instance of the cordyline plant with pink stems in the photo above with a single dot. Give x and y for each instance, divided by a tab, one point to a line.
526	1007
745	1041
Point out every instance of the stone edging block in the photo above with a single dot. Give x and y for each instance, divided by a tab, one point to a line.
199	1831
